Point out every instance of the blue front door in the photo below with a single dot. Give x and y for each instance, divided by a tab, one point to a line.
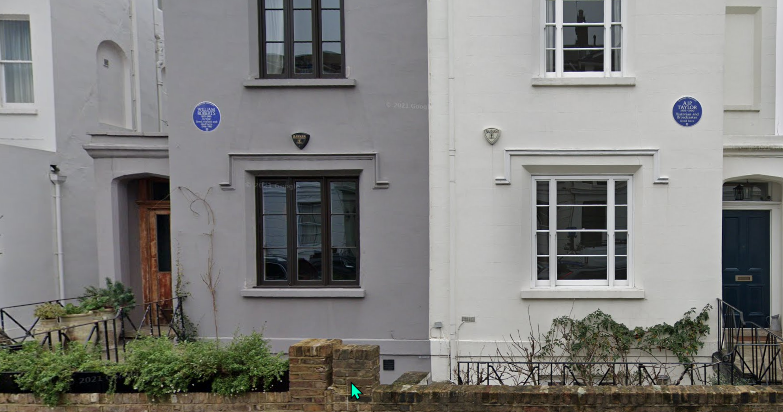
746	263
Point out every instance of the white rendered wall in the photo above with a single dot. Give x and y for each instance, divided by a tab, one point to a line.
481	244
35	129
756	51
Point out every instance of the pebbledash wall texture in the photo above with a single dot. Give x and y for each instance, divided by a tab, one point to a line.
322	371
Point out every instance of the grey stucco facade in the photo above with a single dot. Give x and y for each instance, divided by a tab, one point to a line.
376	126
66	41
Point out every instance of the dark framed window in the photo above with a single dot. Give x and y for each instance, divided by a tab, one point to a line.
308	231
302	38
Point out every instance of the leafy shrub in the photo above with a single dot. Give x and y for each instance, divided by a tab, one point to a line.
49	311
246	363
158	366
49	373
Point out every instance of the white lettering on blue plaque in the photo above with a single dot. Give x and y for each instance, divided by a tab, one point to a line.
687	111
206	116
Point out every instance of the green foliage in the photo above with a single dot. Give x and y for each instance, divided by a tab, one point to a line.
158	366
115	295
155	366
49	311
49	373
596	338
71	309
599	338
684	339
246	363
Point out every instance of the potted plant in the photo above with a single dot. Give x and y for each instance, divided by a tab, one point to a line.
48	315
99	306
115	296
78	324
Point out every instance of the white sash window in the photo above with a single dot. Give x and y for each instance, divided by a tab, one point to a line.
16	62
583	38
583	231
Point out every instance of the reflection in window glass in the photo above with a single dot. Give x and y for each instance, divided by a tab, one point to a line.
583	37
303	25
302	38
589	241
583	11
581	193
587	44
582	268
309	264
303	58
581	217
275	264
320	240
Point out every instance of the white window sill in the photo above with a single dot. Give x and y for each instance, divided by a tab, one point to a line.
24	111
583	81
741	108
303	293
582	293
251	83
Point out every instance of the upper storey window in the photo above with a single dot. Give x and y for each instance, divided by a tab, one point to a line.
302	38
583	38
16	61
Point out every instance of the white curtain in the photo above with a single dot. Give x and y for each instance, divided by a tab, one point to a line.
275	38
16	54
616	15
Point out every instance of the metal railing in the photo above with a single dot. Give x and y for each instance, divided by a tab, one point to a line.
752	351
165	318
587	373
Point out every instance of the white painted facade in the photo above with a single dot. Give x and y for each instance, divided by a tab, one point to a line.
32	125
488	69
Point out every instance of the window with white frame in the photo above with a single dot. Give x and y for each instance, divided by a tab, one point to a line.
583	231
583	38
16	61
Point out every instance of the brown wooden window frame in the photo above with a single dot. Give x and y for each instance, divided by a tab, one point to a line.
288	41
327	262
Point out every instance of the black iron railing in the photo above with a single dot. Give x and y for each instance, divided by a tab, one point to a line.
110	333
752	351
587	373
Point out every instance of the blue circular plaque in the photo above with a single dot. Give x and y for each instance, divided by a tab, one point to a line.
687	111
206	116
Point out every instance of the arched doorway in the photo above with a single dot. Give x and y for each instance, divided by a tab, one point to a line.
751	220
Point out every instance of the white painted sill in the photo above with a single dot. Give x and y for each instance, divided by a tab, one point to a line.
303	293
22	111
254	83
741	108
573	293
584	81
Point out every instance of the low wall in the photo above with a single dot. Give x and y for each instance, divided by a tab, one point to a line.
322	372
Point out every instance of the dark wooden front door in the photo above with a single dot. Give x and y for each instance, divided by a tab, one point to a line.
746	248
155	242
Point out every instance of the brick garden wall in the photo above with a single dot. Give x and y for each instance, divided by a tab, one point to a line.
322	371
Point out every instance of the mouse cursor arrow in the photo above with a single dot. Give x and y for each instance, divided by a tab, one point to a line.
355	391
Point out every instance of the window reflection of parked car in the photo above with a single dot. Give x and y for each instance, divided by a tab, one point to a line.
343	267
275	268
